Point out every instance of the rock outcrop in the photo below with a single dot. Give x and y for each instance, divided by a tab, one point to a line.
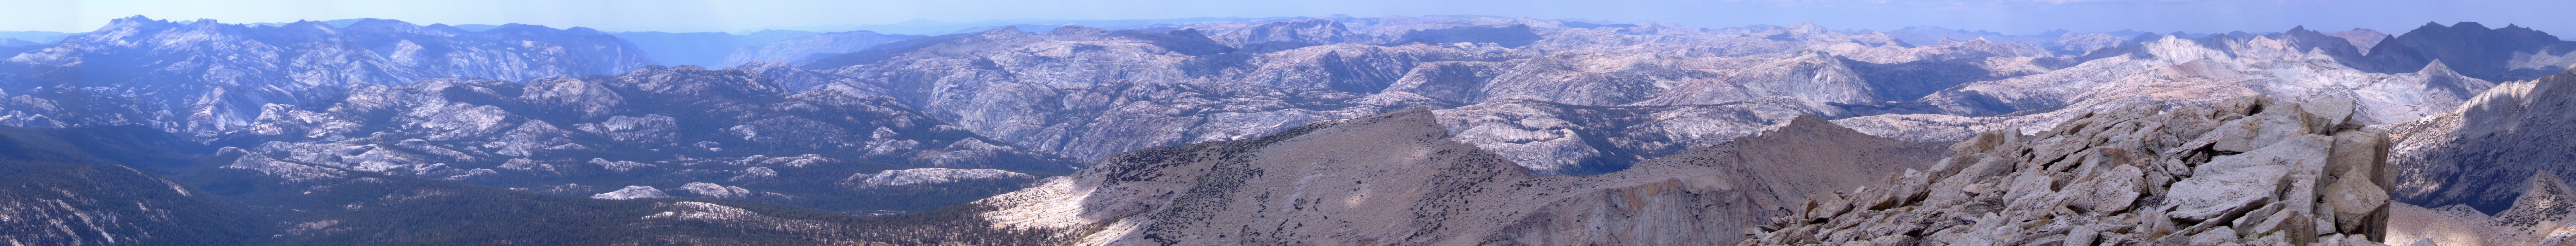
2250	171
1396	179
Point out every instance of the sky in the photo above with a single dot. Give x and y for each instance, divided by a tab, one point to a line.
2016	17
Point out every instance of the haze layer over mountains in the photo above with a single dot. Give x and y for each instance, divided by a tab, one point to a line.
1409	130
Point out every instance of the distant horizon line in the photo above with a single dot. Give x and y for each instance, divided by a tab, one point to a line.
971	26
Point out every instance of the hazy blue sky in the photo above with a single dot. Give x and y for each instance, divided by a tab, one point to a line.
2010	16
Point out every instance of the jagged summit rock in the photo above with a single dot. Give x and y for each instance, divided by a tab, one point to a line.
1395	179
2250	171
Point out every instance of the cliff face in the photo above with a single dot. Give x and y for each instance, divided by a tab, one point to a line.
2247	171
1395	179
2480	153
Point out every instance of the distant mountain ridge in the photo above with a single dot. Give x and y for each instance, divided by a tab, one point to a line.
370	112
1368	65
205	78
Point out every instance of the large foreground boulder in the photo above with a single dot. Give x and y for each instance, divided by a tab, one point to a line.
2249	171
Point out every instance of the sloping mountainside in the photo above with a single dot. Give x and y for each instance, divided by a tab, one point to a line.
131	186
2538	217
323	205
1396	179
724	133
2249	171
2481	154
205	77
73	187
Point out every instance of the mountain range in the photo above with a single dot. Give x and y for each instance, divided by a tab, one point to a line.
1452	129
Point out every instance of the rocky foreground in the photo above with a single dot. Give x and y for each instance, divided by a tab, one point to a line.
2249	171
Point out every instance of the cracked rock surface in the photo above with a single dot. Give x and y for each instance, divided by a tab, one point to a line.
2249	171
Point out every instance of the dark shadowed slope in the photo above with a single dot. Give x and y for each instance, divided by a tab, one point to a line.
1395	179
2480	153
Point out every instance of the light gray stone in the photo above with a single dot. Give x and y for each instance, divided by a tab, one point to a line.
2211	195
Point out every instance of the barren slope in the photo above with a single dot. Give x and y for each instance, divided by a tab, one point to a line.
1395	179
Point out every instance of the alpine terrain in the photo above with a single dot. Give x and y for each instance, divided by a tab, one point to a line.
1330	130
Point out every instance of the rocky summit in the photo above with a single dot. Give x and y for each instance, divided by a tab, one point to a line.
2250	171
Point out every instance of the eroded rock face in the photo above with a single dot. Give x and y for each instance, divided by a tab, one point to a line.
2480	153
2250	171
1396	179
